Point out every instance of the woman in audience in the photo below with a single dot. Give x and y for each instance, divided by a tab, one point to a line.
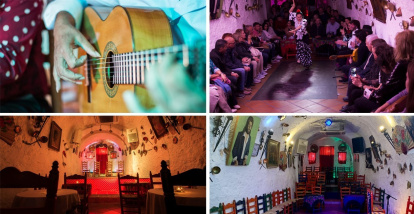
290	27
404	53
302	37
399	102
410	87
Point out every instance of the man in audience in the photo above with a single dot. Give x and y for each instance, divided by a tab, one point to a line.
236	65
350	45
337	16
217	56
332	27
220	80
317	30
362	54
323	16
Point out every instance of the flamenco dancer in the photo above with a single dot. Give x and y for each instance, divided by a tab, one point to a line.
303	51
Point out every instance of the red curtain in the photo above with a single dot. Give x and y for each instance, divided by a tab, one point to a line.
342	157
102	157
326	156
312	157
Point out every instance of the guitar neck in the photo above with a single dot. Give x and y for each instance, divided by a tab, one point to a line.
129	68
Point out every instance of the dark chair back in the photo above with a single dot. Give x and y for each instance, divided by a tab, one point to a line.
79	183
11	177
241	206
261	204
157	180
129	194
167	187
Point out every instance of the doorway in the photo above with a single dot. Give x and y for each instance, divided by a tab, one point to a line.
102	157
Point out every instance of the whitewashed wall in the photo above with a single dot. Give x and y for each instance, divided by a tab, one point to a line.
229	25
237	182
386	31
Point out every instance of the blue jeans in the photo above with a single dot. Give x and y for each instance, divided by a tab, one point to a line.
242	78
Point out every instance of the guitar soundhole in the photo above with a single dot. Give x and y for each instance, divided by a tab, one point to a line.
109	69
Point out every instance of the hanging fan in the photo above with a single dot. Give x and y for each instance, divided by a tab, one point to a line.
314	148
342	147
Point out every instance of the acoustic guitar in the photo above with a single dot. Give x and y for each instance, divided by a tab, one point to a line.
129	41
354	56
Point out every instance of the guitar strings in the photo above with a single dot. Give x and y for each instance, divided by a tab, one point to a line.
173	49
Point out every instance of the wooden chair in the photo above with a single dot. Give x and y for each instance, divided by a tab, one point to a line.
302	178
308	169
109	169
11	177
157	181
229	208
252	205
268	202
78	183
317	190
261	203
85	167
274	198
410	206
121	168
217	210
129	194
361	179
316	169
344	191
241	206
280	197
379	196
299	195
96	168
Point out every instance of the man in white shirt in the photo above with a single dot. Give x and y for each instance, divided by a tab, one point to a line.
332	27
187	19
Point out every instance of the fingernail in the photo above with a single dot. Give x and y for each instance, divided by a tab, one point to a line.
97	54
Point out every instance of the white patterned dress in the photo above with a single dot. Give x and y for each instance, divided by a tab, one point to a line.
303	51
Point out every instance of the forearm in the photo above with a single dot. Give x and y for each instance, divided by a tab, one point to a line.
293	7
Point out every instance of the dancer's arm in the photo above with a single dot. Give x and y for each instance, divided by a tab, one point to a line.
293	7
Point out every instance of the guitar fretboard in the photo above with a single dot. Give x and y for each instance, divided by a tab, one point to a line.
129	68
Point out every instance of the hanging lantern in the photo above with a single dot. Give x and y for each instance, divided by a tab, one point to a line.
312	157
342	157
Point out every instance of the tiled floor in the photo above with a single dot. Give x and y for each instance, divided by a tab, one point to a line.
292	106
107	208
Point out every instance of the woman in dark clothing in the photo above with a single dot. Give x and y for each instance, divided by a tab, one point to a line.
404	42
318	30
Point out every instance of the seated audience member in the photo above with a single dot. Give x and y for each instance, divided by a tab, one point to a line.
217	55
410	87
218	102
323	16
23	82
257	32
371	78
332	27
362	54
337	16
243	52
329	10
255	42
280	26
317	30
268	34
395	83
348	44
362	70
290	26
271	27
220	79
237	66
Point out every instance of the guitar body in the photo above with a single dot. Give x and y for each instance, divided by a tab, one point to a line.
115	31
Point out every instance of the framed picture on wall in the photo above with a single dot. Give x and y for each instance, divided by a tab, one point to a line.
158	125
379	12
242	135
273	154
55	136
349	4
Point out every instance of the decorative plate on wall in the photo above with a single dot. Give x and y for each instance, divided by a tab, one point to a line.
314	148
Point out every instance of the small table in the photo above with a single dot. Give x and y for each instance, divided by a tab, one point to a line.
311	199
190	197
66	199
360	199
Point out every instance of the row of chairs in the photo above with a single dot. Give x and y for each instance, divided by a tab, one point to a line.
327	169
97	168
278	201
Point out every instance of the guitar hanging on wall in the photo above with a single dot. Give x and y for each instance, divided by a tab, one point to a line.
129	41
